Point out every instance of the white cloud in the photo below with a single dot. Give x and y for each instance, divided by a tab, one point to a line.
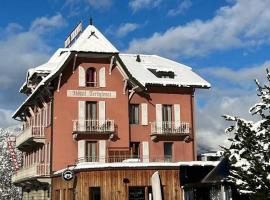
181	8
5	118
242	24
44	24
136	5
20	50
126	28
233	93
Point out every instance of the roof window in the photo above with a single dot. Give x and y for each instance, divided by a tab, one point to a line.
162	73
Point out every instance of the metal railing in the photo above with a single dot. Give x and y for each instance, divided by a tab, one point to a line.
125	159
35	170
102	126
30	132
167	127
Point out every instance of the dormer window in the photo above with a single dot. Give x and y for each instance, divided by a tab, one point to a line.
91	77
160	73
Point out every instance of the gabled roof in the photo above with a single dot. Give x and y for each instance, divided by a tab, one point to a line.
58	63
183	75
45	68
92	40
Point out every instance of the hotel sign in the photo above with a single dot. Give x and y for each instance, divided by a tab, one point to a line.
89	93
73	35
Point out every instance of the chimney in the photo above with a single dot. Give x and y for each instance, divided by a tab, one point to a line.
138	59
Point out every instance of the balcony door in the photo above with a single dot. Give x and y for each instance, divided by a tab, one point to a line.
91	115
91	151
167	116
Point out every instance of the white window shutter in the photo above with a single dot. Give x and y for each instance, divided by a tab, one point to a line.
102	150
145	146
101	112
81	115
81	77
144	114
177	115
102	77
158	118
81	149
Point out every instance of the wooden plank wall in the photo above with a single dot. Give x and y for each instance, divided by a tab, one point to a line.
112	185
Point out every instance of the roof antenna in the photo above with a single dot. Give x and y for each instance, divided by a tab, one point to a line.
91	21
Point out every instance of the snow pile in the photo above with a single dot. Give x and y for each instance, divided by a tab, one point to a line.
249	153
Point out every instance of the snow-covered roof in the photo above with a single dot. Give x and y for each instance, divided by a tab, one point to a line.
58	63
98	165
183	75
92	40
45	68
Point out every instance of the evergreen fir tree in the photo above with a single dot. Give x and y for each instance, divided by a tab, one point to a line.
249	153
7	190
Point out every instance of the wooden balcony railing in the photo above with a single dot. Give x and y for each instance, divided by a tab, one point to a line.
94	126
37	170
166	127
33	133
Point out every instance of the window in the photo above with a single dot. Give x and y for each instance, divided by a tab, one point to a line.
94	193
136	193
91	115
168	151
91	110
134	114
91	77
135	149
167	113
162	73
91	151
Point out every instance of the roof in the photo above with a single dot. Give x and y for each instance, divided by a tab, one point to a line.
58	63
92	40
183	75
97	165
45	68
219	173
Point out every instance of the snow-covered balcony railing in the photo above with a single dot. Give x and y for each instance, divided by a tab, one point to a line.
168	129
37	170
125	158
93	128
30	135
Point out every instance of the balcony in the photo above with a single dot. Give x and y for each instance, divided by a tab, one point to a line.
34	172
93	129
126	159
167	130
30	137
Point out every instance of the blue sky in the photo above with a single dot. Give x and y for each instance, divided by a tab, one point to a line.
225	41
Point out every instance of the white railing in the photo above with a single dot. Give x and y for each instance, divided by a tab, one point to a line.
35	170
125	159
36	132
166	127
102	126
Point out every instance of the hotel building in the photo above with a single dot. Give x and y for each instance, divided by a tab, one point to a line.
113	119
